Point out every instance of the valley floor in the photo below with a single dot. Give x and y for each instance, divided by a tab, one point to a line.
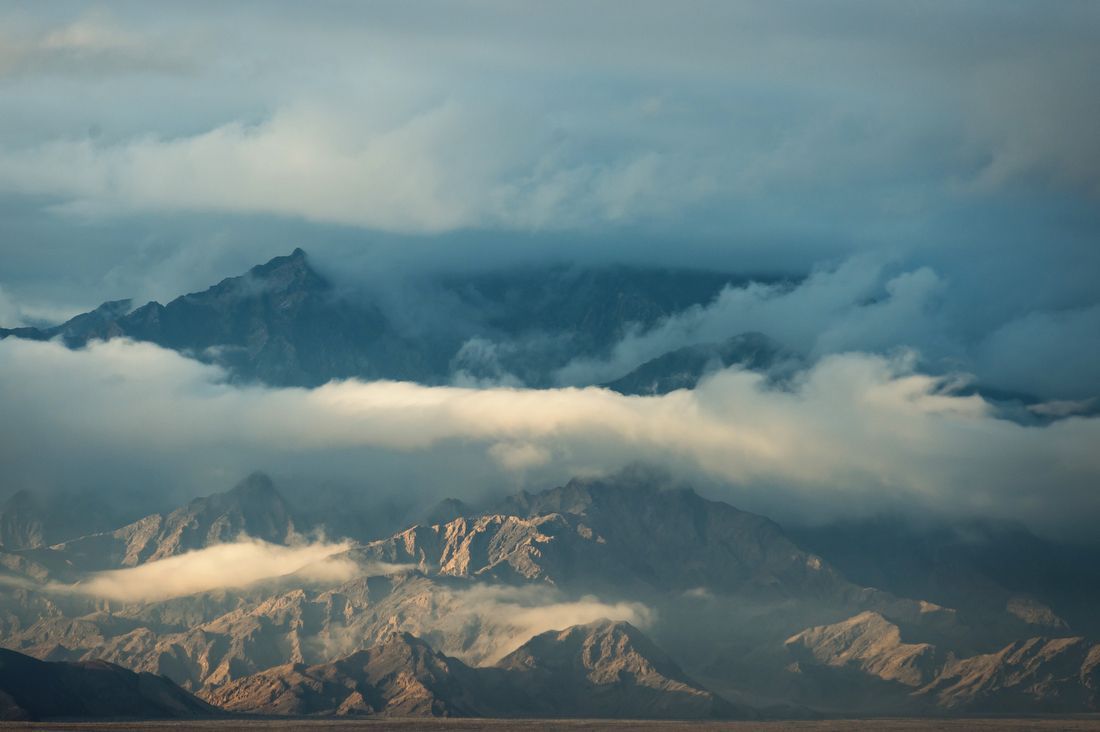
999	724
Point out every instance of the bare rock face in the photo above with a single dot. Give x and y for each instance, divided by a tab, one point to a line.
607	669
626	532
673	539
871	644
1034	675
31	689
493	547
743	609
401	677
1037	675
604	669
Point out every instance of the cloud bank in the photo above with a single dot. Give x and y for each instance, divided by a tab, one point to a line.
232	565
855	433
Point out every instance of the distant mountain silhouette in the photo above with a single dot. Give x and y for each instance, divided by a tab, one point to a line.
283	323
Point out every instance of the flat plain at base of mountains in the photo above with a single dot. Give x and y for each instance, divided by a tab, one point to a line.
1064	724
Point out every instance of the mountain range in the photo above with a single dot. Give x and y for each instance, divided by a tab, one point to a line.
621	596
286	324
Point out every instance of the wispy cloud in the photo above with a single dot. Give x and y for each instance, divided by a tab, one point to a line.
232	565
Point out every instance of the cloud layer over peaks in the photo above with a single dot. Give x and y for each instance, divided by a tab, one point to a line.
854	434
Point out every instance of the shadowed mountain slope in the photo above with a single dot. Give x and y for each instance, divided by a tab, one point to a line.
31	689
608	669
283	323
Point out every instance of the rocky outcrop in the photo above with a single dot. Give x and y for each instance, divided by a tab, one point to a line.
599	670
284	323
1037	675
607	669
870	643
402	676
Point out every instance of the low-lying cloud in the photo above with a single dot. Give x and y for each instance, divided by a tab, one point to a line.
222	566
518	614
853	434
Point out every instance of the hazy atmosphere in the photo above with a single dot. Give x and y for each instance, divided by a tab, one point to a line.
498	305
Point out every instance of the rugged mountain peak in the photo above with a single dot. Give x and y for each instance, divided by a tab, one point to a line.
402	676
870	643
288	272
1048	674
494	545
114	308
257	489
603	666
667	536
604	648
253	507
396	652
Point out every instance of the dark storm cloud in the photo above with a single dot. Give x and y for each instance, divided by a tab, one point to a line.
927	174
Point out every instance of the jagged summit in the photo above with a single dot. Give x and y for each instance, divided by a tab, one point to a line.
607	665
711	592
256	486
597	670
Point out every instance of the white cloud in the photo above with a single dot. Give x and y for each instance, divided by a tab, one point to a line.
854	306
231	565
855	433
517	614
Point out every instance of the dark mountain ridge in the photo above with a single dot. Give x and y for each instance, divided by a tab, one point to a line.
725	596
283	323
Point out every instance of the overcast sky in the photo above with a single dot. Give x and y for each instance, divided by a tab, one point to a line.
932	168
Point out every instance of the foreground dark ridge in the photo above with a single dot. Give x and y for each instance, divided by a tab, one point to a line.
31	689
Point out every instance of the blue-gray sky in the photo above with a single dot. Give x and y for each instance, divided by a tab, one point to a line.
933	167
